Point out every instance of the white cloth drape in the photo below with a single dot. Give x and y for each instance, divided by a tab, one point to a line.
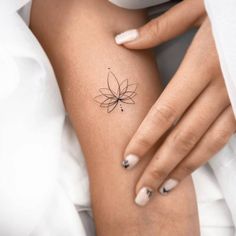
136	4
43	179
11	6
222	15
223	20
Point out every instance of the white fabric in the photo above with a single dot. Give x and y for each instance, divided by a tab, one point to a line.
223	19
11	6
224	167
43	179
136	4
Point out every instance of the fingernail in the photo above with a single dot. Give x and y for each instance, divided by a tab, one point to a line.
126	36
168	186
130	161
143	196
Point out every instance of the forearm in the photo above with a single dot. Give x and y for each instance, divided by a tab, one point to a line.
78	37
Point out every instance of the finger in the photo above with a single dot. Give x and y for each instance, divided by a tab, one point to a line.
191	79
214	140
165	27
182	139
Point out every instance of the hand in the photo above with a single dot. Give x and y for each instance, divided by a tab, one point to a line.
194	107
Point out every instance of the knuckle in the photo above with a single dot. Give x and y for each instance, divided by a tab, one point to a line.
157	27
184	141
187	169
220	138
157	174
164	114
143	141
153	28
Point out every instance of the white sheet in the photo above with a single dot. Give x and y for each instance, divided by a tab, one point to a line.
43	180
136	4
223	20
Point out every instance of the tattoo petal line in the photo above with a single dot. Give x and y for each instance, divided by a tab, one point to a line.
116	93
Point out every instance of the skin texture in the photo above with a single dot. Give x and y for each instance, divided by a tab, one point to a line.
78	37
195	104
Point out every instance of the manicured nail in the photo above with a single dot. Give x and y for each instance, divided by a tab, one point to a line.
168	186
143	196
130	161
126	36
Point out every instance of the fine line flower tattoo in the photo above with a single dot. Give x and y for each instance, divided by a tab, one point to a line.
116	93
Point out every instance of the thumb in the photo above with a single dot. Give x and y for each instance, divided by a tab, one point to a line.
174	22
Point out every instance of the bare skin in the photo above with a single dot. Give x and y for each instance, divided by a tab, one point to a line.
78	37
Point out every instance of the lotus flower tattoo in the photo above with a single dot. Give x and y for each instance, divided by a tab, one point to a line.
116	93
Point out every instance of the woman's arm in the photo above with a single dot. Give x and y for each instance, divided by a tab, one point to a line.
78	38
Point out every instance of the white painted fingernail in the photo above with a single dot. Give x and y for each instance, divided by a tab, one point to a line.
127	36
130	161
168	186
143	196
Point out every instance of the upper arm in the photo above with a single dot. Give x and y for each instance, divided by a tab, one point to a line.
78	37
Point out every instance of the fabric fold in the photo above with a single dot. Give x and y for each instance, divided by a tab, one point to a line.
11	6
223	20
136	4
31	123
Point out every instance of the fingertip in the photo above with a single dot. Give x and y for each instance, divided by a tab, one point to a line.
168	186
143	196
126	36
130	161
136	38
